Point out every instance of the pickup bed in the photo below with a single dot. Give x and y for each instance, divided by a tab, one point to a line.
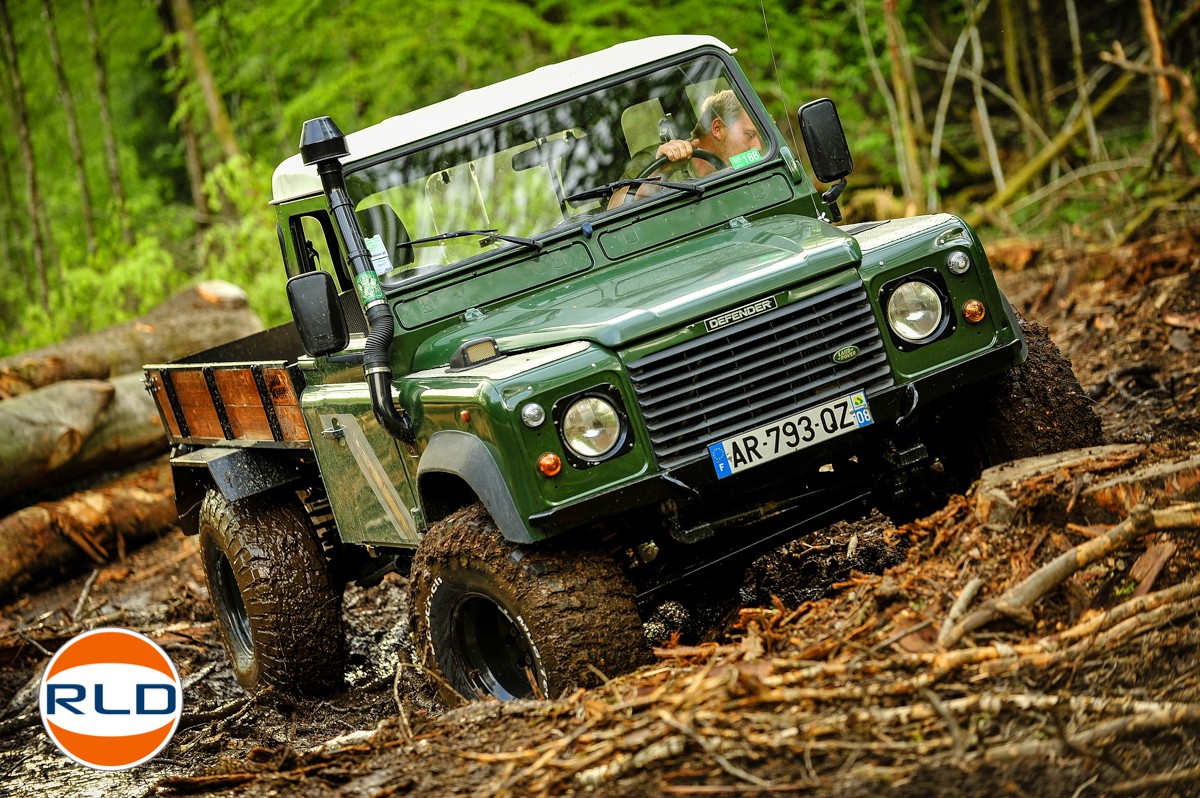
244	393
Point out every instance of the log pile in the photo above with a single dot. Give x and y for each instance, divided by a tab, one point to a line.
96	525
195	319
62	418
76	427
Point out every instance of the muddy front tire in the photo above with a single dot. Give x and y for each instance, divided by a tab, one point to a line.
1038	407
490	618
280	611
1033	409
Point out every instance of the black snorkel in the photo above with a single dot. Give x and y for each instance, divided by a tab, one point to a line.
323	144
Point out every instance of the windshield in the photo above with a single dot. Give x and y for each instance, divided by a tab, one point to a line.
518	177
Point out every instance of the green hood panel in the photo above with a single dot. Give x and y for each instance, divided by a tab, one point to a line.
617	305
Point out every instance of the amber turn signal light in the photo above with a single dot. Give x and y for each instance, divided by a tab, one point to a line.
549	464
973	311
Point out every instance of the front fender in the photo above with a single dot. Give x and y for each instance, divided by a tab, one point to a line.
465	456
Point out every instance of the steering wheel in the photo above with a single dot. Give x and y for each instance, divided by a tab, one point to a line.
662	160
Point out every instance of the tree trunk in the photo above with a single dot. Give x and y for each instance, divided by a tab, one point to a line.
74	428
1085	101
128	431
111	157
10	233
903	93
981	110
881	84
1045	69
42	432
64	94
21	119
195	319
943	106
191	145
217	113
1012	39
93	525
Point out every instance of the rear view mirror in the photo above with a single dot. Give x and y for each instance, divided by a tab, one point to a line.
825	140
319	317
540	153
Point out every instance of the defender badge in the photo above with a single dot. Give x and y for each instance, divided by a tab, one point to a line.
845	354
740	314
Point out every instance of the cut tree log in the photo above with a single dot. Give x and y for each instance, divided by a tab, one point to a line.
74	428
128	431
195	319
41	432
89	526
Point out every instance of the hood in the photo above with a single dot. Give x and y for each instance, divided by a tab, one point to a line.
666	288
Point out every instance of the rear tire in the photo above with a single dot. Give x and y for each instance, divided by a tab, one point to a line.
491	618
280	610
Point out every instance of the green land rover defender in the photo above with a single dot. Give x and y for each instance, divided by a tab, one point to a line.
559	380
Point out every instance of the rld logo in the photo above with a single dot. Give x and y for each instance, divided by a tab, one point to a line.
111	699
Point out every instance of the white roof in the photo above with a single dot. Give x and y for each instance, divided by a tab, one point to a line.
293	179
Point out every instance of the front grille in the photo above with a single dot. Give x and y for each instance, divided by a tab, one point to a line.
757	371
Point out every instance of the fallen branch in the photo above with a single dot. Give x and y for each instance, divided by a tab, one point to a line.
1101	735
1038	163
959	608
1143	785
1017	600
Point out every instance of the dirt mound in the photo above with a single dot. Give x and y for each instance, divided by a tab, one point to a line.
1128	320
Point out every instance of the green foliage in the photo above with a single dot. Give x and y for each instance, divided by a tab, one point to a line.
279	63
244	249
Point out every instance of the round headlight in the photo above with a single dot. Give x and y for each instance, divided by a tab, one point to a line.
914	311
591	427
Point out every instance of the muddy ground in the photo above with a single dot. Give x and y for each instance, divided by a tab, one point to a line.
829	680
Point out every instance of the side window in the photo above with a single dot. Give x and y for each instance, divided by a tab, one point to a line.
316	247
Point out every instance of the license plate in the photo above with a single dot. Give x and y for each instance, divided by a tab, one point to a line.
791	434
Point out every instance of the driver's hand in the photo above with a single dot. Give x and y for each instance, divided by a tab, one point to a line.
676	149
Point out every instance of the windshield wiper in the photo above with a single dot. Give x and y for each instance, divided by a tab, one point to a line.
608	189
489	236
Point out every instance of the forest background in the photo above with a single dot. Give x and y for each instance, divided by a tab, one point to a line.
138	136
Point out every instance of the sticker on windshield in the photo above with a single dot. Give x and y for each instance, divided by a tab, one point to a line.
745	158
379	254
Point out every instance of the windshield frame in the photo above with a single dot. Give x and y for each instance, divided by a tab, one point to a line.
570	228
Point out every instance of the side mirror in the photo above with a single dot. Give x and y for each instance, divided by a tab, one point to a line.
825	141
319	317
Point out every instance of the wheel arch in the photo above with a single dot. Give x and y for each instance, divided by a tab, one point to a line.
458	469
236	473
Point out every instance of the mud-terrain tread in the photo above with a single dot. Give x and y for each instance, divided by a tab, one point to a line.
1034	409
577	602
293	605
1038	407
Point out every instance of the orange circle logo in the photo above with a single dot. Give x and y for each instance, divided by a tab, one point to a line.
111	699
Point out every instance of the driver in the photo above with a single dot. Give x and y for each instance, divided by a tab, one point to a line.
724	129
